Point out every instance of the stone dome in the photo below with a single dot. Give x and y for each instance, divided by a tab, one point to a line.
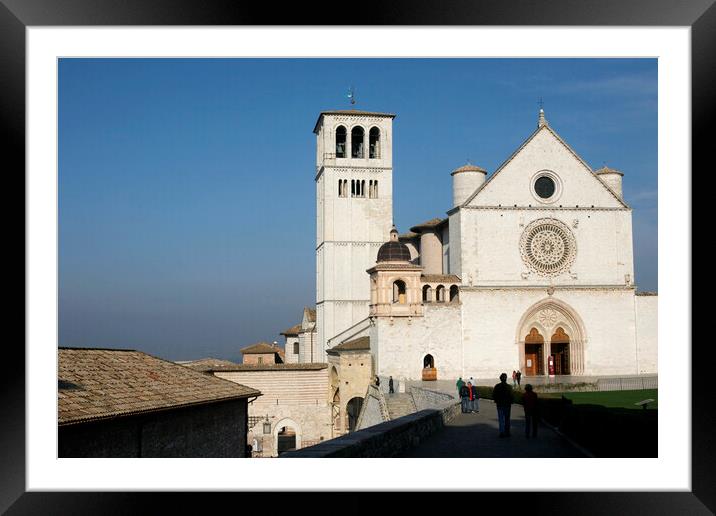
393	250
468	168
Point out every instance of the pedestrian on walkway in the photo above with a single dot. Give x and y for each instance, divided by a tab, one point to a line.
475	399
514	378
459	385
502	395
529	402
465	399
390	386
519	377
377	381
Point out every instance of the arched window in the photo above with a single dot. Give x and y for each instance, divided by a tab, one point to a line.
341	142
357	137
440	294
353	187
399	292
375	189
374	143
427	294
428	361
362	188
296	348
454	294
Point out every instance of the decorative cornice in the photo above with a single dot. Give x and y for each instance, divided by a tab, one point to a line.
539	208
475	288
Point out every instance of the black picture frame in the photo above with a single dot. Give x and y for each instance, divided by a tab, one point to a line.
17	15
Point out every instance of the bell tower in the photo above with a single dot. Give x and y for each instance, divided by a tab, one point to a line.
354	213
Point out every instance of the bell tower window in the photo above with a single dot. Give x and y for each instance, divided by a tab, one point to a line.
374	143
341	142
399	292
357	137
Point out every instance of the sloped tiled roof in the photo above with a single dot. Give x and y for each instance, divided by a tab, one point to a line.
293	330
428	224
205	364
439	278
98	384
259	347
306	366
361	343
311	314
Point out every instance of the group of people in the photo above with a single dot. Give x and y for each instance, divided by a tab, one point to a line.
503	397
516	377
391	389
469	401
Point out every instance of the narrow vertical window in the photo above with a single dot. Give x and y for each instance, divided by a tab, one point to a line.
341	142
340	188
375	189
362	188
353	187
374	143
357	137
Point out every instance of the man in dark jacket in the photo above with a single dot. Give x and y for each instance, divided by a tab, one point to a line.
502	396
465	399
475	400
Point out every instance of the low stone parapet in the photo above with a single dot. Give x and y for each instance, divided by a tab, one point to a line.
387	439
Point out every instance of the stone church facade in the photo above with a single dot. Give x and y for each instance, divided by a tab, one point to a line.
532	268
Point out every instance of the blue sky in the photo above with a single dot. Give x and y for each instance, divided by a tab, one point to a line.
168	168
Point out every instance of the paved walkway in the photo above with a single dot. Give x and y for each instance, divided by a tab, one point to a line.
477	435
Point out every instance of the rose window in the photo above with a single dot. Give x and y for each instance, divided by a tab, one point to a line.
548	246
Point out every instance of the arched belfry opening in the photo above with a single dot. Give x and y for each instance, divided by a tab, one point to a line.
341	135
454	294
357	143
427	294
551	338
374	143
399	292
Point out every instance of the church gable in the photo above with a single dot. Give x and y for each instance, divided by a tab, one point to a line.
545	172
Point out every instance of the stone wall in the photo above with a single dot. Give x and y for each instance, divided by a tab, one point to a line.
210	430
387	439
647	326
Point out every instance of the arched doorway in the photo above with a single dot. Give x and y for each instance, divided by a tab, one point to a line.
430	373
558	329
534	353
559	349
287	436
352	412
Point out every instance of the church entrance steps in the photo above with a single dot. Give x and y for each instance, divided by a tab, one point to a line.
400	404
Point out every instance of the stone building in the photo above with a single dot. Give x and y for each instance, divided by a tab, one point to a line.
301	344
262	353
294	410
123	403
531	269
351	370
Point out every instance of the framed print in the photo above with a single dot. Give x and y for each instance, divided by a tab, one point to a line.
197	43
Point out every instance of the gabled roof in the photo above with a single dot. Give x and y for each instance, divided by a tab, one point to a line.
259	347
95	384
544	127
359	344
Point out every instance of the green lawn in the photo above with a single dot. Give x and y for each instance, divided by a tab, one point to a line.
623	399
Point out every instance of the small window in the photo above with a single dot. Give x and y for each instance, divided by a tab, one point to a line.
340	142
545	187
427	294
261	360
374	143
357	144
440	294
296	348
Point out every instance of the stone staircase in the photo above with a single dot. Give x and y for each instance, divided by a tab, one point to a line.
400	404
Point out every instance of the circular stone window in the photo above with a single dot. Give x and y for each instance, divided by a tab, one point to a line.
548	247
546	186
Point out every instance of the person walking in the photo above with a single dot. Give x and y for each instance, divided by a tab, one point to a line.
519	377
529	402
514	378
475	400
459	385
465	398
390	386
502	395
377	381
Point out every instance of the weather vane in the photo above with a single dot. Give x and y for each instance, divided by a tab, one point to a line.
540	103
352	96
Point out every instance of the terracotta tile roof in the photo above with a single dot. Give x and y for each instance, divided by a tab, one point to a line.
311	314
105	383
408	236
293	330
439	278
468	168
205	364
646	293
259	347
361	343
607	170
428	224
307	366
